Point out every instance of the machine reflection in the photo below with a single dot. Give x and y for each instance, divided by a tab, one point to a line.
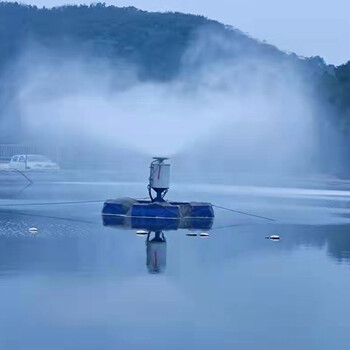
153	229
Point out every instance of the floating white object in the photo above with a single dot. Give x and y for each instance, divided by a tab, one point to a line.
191	234
141	232
273	237
204	234
33	230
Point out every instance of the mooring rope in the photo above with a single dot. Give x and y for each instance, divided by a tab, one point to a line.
51	203
103	200
244	213
19	172
58	203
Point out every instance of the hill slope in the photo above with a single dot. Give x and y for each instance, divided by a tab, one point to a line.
155	42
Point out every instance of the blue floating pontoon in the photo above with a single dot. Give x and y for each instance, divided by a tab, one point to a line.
156	223
130	207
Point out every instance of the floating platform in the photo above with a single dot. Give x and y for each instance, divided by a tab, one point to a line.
129	207
157	224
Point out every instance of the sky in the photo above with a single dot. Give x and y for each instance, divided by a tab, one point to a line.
306	27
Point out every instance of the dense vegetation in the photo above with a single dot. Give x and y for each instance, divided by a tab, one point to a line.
155	43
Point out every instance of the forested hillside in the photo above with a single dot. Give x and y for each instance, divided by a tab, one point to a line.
155	42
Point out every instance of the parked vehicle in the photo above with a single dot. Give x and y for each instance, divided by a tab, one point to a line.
32	162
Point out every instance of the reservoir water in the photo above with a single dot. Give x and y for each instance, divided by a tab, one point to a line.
76	284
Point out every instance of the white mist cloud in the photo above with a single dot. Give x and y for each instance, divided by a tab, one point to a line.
76	99
246	114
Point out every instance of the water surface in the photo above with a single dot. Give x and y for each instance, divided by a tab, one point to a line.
76	284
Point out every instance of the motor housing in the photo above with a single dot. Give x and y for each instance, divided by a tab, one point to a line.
159	178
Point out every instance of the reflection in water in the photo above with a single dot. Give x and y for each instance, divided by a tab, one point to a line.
335	238
156	246
156	252
11	191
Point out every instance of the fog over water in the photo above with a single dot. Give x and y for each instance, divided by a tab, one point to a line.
246	113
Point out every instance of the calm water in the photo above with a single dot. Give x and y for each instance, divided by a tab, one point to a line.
79	285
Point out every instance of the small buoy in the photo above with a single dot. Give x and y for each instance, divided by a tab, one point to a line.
191	234
273	237
141	232
204	234
33	230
